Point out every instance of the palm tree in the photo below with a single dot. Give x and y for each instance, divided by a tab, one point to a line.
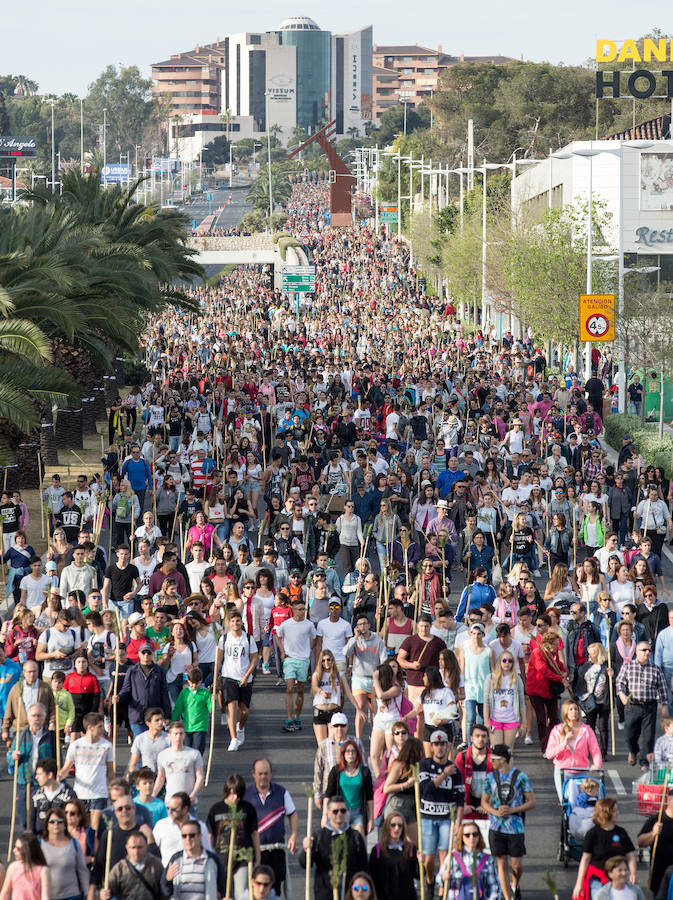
353	132
258	195
27	377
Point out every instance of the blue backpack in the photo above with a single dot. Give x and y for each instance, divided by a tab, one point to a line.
466	887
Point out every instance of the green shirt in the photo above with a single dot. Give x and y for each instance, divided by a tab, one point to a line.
66	708
158	637
351	788
193	707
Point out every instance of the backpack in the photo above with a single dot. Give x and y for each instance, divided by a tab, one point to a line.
466	888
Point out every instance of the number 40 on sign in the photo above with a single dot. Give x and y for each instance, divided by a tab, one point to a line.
597	317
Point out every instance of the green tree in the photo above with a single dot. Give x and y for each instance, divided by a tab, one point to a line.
4	115
127	97
216	153
258	194
8	84
392	122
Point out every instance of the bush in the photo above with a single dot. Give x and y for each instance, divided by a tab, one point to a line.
279	235
252	221
655	451
135	372
284	243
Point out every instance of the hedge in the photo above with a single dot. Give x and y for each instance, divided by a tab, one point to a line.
283	245
656	451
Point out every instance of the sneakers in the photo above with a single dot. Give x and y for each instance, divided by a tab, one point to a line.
280	682
632	759
620	725
536	573
528	739
289	726
240	735
223	718
297	724
265	669
233	745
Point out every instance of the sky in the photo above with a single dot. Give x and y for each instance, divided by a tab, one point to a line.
80	39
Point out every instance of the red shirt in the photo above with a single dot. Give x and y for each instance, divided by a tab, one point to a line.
279	614
81	684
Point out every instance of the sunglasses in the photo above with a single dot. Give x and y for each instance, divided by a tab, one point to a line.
399	732
189	834
469	834
339	812
360	887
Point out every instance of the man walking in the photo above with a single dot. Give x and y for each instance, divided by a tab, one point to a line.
295	638
272	803
640	685
237	653
507	796
321	843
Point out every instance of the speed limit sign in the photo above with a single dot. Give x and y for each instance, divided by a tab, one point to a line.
597	325
597	317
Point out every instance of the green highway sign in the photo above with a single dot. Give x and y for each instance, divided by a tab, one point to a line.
298	279
388	214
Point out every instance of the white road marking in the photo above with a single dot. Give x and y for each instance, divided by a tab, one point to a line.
617	781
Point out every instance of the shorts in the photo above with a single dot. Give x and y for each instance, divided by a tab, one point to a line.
384	722
447	727
235	692
362	684
323	716
97	804
404	804
435	834
503	726
296	669
513	845
355	817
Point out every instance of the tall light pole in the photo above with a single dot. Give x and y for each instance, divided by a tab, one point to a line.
81	135
104	146
268	156
53	151
405	115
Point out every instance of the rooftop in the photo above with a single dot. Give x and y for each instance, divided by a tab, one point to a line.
298	23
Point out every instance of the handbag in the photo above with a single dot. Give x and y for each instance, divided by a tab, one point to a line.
589	704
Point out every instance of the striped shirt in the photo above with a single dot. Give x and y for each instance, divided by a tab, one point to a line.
193	877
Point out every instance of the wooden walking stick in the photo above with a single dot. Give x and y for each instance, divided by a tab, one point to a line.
15	781
232	843
647	516
212	714
114	694
309	829
612	700
108	856
58	739
449	857
656	837
417	797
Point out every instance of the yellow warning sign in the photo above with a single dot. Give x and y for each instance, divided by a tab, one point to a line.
597	317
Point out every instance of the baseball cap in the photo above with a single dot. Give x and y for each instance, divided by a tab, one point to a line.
439	737
627	437
318	571
136	617
295	571
502	751
477	626
338	719
146	646
334	601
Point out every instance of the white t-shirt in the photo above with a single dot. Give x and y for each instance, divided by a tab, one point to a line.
148	749
503	701
196	571
237	653
90	767
514	648
334	636
180	767
34	589
392	421
297	637
440	706
145	572
100	646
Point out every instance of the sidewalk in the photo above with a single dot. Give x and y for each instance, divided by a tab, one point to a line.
613	456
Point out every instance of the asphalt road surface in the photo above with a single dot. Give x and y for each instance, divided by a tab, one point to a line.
232	206
292	758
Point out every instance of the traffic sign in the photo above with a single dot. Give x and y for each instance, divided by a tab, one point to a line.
597	317
305	240
298	279
500	306
389	214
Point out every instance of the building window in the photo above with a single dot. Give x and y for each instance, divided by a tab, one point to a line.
255	38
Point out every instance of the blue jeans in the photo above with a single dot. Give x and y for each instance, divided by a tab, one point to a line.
197	740
124	607
635	406
138	728
174	688
382	551
223	530
14	577
475	715
207	670
174	442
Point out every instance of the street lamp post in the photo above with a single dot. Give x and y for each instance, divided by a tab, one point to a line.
104	147
53	152
81	135
268	156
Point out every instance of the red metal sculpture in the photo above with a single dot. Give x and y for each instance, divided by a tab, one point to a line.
340	188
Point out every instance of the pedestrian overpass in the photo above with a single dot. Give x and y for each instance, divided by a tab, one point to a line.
251	250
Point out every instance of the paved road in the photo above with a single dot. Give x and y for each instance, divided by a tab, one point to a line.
231	212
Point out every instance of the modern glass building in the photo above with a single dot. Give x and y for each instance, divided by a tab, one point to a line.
313	69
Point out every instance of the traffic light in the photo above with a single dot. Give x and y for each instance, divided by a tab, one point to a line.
332	176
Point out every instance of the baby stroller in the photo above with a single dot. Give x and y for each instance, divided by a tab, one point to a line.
570	841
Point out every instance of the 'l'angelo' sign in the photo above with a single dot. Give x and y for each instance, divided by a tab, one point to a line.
641	83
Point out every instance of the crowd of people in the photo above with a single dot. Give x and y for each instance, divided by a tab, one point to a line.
410	528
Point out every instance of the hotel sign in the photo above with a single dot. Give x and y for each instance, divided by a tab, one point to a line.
641	83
